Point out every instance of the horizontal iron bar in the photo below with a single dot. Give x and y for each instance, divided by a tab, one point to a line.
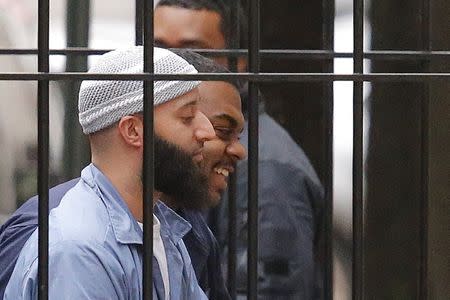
267	53
260	77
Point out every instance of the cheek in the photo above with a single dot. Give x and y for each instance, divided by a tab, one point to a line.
214	150
161	125
183	142
174	133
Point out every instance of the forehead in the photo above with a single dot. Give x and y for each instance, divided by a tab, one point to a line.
186	100
178	27
218	98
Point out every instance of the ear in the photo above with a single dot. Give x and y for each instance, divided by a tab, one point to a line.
131	130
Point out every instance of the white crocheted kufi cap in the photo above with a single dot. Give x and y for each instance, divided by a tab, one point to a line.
103	103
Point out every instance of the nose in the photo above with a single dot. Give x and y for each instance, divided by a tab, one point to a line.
236	150
204	130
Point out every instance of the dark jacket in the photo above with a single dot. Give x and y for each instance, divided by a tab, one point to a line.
204	252
290	204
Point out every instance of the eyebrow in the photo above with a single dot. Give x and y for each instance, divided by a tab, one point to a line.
193	43
190	103
228	118
187	43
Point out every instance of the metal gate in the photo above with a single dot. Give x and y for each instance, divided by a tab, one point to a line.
144	36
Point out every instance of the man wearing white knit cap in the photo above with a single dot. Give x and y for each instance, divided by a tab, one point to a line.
95	234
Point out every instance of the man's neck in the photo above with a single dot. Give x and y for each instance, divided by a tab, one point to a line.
129	186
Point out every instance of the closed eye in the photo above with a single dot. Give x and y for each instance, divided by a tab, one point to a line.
187	120
224	132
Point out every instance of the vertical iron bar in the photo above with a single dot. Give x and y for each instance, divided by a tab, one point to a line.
232	210
254	62
76	152
328	10
139	21
148	165
43	147
232	235
424	121
234	35
358	222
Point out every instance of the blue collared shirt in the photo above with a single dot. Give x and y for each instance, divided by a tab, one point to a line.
95	249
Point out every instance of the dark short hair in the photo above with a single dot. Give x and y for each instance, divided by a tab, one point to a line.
205	65
223	8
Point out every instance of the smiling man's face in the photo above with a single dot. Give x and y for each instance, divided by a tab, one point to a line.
221	104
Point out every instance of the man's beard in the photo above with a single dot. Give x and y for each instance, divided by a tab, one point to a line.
178	177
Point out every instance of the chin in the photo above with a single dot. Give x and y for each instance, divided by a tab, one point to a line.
214	199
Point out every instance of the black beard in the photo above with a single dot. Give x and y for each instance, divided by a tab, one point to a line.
177	176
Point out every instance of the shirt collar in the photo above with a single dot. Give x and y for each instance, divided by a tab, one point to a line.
172	225
124	225
199	228
156	227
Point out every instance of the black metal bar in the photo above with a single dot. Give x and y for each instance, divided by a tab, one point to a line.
139	22
232	236
148	169
232	208
43	148
328	11
264	53
358	222
235	34
65	51
253	117
76	153
424	121
260	77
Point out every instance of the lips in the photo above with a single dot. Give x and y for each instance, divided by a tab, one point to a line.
218	179
223	170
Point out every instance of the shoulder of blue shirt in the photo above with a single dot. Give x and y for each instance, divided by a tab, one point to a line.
19	227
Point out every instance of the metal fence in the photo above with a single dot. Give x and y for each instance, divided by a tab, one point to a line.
144	36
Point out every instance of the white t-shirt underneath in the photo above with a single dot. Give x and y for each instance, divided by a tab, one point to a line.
160	254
